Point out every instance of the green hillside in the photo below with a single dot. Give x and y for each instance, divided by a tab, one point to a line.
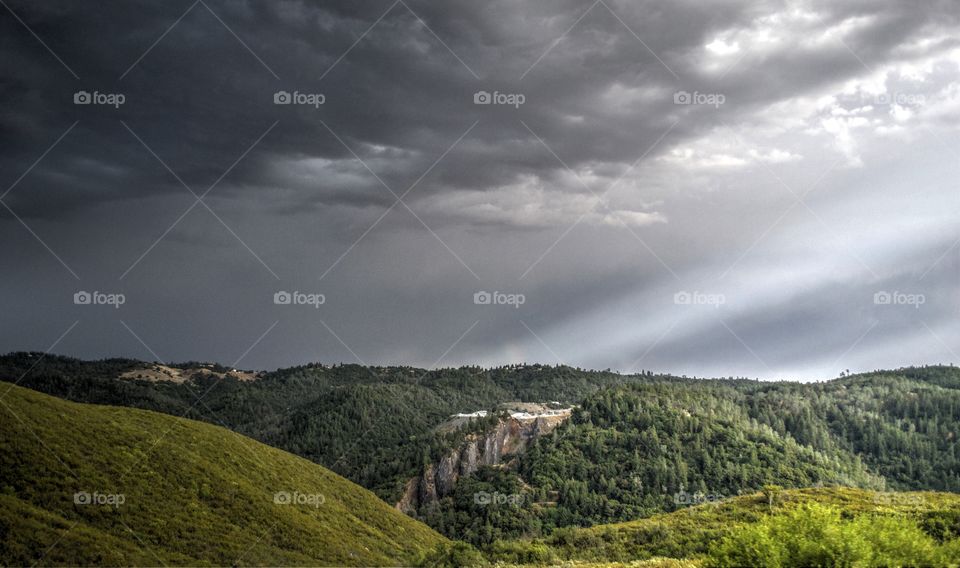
635	444
804	527
83	484
653	446
318	411
642	449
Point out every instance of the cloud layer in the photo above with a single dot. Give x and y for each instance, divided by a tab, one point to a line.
723	189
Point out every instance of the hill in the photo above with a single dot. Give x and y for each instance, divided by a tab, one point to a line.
83	484
831	526
635	446
650	446
369	424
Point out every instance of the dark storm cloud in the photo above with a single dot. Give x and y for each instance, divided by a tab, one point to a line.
492	200
199	97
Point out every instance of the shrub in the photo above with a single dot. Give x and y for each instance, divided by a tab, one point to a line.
452	555
818	535
522	552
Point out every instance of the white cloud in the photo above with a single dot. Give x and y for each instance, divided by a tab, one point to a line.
775	156
720	47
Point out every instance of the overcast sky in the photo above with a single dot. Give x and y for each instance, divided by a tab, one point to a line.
729	188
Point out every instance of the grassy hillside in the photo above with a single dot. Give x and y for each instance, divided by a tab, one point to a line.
923	523
84	484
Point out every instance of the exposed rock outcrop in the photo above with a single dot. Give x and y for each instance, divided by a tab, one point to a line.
509	437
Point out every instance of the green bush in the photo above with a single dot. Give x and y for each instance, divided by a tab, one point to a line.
818	535
522	552
452	555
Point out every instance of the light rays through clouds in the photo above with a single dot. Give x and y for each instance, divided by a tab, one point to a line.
763	189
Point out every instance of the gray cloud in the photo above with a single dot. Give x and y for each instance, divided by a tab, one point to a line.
599	197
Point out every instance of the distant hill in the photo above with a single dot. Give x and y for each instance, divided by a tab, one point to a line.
650	446
98	485
634	444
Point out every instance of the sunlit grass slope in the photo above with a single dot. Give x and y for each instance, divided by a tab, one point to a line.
87	484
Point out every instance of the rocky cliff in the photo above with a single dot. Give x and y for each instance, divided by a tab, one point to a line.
509	437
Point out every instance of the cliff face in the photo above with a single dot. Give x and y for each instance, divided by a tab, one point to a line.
509	437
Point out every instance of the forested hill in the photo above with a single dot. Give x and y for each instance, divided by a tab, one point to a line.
629	452
650	446
633	446
373	425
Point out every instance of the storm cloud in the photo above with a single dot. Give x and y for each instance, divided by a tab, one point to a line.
763	189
